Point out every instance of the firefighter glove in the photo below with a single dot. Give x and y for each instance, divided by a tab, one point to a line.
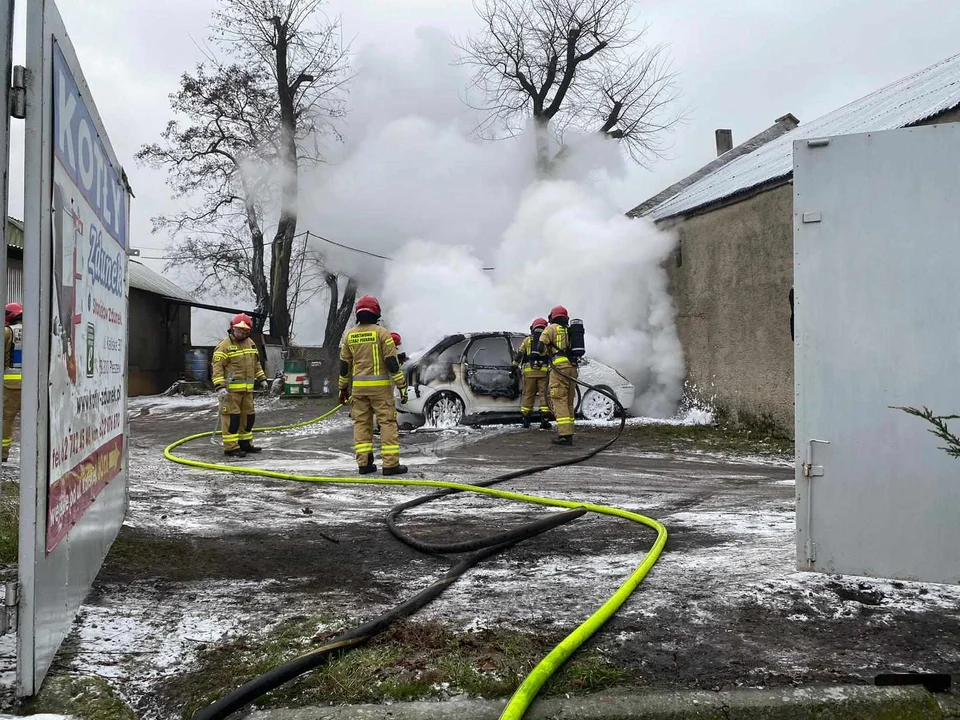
222	394
403	397
263	385
344	396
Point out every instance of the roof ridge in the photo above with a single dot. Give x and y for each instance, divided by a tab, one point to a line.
906	101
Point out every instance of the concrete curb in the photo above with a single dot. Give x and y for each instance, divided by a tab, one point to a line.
845	702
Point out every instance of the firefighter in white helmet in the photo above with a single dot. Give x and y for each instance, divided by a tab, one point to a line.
236	371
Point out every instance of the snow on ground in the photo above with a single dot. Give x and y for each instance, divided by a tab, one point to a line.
730	518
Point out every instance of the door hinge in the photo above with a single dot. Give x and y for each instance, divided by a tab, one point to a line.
18	92
809	469
810	547
11	602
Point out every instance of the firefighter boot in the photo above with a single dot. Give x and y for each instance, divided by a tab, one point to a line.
369	467
395	470
545	424
248	447
526	421
563	440
235	453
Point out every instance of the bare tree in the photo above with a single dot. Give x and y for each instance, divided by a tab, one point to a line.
251	123
573	64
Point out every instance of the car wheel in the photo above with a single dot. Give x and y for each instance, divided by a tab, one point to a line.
597	406
444	410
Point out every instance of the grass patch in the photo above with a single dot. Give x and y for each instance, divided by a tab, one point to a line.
734	440
83	697
411	661
9	523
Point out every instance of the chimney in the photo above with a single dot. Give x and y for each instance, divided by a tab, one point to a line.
789	121
724	141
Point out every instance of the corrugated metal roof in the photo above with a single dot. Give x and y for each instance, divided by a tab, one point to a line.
783	125
14	233
143	278
905	102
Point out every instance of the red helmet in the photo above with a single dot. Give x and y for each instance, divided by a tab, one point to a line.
13	310
538	323
396	338
559	312
368	303
242	321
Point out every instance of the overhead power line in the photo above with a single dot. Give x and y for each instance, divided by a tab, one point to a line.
309	234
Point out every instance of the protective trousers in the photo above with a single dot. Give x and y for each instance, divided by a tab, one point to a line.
532	387
563	393
236	419
11	408
363	409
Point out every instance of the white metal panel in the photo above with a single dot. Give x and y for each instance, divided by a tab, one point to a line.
54	580
904	102
877	261
6	67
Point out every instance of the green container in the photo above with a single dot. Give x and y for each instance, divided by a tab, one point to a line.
294	377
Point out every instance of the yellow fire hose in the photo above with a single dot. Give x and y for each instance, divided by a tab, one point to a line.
525	694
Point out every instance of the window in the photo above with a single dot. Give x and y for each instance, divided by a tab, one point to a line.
515	341
490	352
453	353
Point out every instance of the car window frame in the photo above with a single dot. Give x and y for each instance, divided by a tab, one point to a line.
505	343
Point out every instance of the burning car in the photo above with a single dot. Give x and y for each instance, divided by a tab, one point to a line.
470	377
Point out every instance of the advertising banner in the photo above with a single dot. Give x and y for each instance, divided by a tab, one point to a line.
87	388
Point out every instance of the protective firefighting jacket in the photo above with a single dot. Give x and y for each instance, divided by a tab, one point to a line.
236	365
554	344
530	369
368	360
13	354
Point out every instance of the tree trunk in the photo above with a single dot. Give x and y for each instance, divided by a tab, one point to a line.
289	188
258	279
541	131
339	312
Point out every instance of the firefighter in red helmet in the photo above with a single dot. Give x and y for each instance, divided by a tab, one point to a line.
236	371
369	367
401	356
534	382
12	371
554	347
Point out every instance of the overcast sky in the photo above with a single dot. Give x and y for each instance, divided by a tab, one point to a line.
742	64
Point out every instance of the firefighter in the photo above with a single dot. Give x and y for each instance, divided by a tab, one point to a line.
534	376
12	371
401	356
236	370
368	369
554	347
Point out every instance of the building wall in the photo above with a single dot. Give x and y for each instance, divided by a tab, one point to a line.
14	278
732	294
156	352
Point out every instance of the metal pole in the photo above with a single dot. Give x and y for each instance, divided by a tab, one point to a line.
6	64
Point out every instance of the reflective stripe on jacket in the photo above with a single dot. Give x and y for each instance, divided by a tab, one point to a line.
365	359
13	353
236	365
556	342
522	359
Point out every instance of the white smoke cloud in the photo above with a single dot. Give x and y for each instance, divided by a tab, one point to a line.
411	183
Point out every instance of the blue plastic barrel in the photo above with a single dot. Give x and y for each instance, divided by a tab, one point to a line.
197	364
